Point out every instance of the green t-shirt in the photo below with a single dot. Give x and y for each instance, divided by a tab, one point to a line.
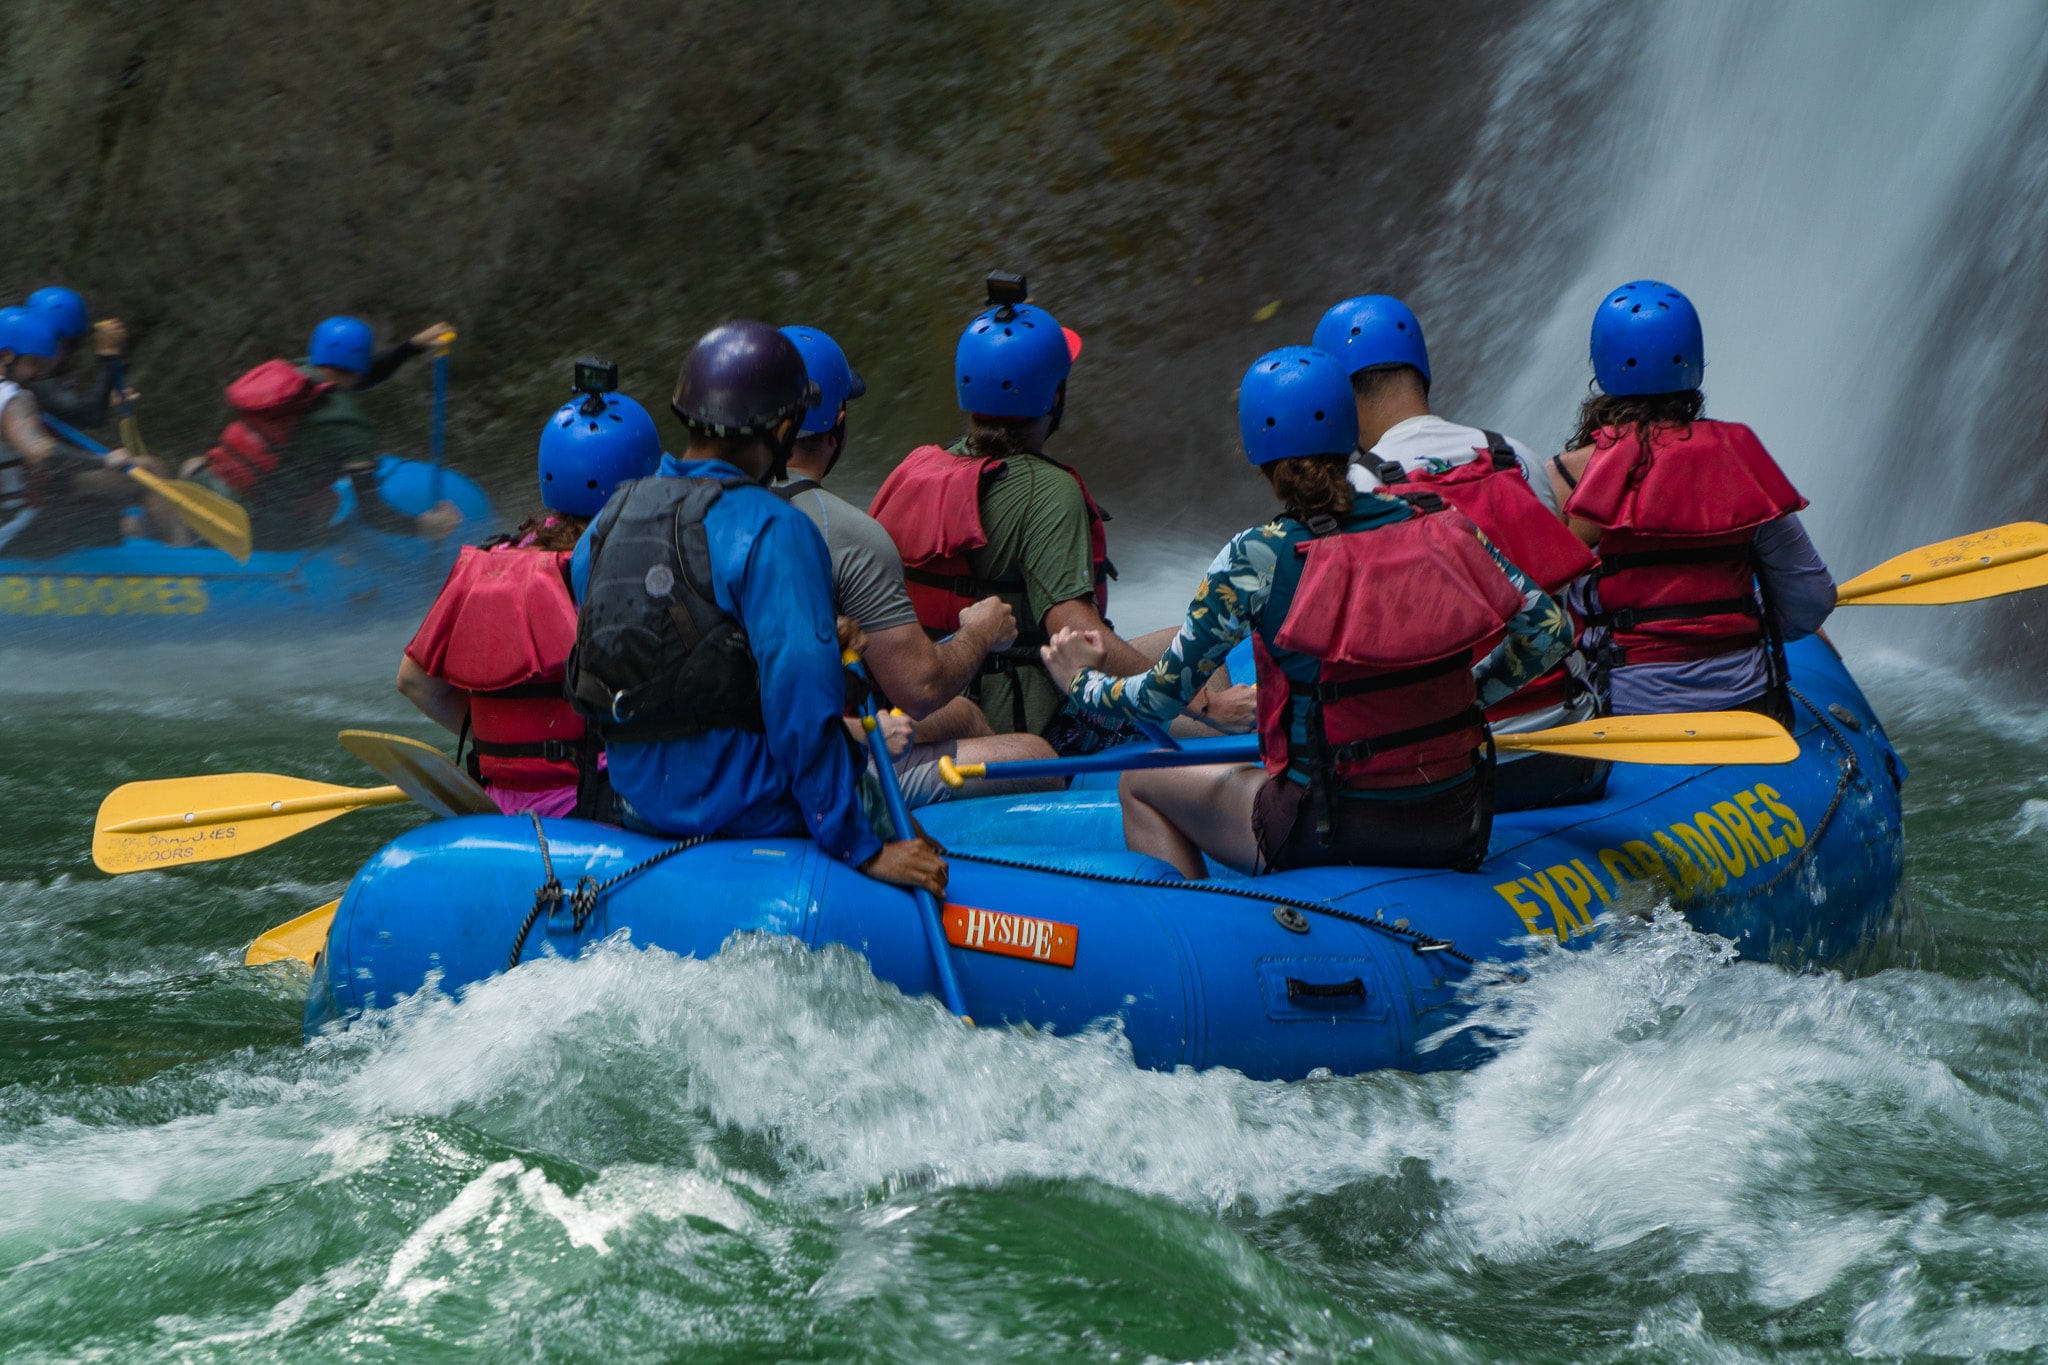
287	509
1037	527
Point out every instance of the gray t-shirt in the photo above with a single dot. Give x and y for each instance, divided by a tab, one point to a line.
867	569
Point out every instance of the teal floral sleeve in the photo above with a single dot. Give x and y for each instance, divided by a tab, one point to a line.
1226	605
1537	640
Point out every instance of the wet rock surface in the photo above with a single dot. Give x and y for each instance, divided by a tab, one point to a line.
574	178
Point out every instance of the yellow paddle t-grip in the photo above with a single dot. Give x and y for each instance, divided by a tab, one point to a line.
444	341
955	775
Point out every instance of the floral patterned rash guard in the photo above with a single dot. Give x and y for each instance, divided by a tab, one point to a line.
1233	599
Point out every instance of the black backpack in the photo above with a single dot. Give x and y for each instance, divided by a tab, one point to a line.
655	657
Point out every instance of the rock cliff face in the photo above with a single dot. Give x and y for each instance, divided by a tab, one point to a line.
582	177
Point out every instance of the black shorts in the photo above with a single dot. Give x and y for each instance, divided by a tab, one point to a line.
1449	828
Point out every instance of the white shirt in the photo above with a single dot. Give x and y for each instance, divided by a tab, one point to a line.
1429	445
15	511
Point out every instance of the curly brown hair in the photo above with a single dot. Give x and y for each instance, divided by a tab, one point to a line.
552	531
1312	485
990	439
1635	412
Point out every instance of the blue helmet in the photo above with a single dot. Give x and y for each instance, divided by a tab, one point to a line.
1296	401
1646	339
1011	361
26	332
590	446
343	343
1373	329
837	382
64	308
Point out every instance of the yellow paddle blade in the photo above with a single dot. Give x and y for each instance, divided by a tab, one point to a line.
1688	737
298	939
1969	568
220	521
131	436
154	825
425	773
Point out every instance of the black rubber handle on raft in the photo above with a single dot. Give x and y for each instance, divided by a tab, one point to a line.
1297	989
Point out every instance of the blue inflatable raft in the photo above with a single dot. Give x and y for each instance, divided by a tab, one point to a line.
144	590
1050	922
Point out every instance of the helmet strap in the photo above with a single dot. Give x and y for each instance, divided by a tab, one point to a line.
838	434
781	446
1059	409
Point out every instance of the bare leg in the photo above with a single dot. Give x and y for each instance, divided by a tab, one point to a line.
117	489
957	719
1007	749
1178	814
1153	643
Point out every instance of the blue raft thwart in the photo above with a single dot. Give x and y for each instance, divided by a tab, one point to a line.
1051	922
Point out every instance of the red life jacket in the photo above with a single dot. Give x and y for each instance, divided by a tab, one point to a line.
1678	520
501	630
931	507
268	402
1494	493
1392	616
1098	538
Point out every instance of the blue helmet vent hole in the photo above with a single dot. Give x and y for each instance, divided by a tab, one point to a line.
1400	326
1269	421
1006	383
1319	415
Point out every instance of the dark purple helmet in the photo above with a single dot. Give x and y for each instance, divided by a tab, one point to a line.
741	379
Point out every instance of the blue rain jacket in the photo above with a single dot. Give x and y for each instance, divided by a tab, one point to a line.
770	569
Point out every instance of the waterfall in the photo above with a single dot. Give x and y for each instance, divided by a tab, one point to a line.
1855	194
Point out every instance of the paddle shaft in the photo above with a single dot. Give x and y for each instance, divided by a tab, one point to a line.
1678	739
899	816
440	418
257	810
131	429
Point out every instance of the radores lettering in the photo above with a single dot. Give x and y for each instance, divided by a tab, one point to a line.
1731	839
111	596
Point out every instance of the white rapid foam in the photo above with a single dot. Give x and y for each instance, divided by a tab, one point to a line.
1650	1097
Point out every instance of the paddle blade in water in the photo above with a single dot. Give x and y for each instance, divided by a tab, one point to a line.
220	521
423	771
297	940
2004	559
1692	738
153	825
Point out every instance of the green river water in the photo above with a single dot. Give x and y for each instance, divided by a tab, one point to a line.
769	1155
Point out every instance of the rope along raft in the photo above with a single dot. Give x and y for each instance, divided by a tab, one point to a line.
583	900
550	897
